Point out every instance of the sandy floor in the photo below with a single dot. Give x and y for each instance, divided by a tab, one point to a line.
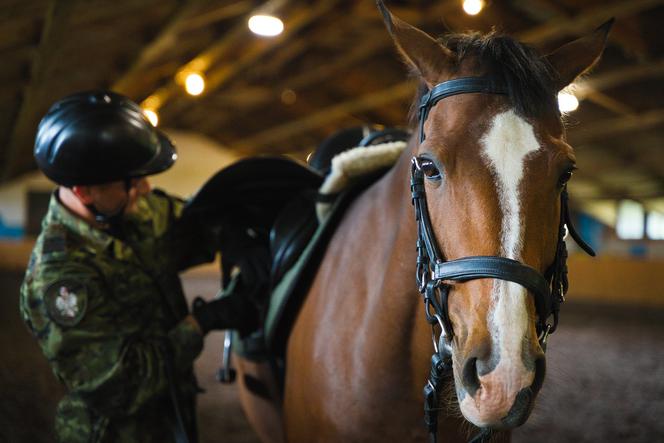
605	379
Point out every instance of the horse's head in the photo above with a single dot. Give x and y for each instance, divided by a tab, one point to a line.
495	165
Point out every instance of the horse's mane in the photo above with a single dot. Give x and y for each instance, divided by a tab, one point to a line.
528	78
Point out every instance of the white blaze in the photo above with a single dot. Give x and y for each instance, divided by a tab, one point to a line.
506	145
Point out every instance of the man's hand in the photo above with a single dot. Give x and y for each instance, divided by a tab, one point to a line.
234	311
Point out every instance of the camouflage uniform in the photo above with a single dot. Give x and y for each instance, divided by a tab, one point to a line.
108	315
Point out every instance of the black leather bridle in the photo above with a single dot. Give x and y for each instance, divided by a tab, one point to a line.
433	271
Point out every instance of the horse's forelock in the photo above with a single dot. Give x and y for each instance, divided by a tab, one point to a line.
528	78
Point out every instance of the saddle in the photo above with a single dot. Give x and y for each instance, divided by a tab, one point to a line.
270	204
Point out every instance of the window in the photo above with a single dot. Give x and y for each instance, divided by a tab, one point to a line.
631	220
655	225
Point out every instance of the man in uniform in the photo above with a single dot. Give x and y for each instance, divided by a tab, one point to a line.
101	293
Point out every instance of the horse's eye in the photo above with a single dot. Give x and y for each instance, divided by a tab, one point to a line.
564	178
429	169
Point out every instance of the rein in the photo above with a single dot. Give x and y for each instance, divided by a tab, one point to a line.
433	270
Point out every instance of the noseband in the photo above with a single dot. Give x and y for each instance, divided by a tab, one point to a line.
433	271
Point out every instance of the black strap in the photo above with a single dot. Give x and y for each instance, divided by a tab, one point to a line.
471	268
463	85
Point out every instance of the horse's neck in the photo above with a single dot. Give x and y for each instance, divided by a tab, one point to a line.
389	256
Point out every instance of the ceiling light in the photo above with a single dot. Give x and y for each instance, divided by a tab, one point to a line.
152	116
288	97
266	25
194	84
567	102
473	7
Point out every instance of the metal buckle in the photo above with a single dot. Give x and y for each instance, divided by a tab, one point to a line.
544	336
433	332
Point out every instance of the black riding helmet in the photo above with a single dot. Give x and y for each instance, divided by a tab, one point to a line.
98	137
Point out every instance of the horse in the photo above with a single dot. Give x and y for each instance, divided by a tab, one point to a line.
488	166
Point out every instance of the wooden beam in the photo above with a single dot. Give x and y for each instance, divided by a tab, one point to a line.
607	165
548	10
624	75
372	43
607	102
589	87
615	126
325	116
219	13
207	58
54	28
298	20
588	19
128	83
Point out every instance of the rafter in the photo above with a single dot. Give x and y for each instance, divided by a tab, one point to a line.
210	56
53	30
298	20
587	19
549	10
539	34
219	13
623	75
128	83
255	97
325	116
618	125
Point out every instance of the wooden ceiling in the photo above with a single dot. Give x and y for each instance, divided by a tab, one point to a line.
333	67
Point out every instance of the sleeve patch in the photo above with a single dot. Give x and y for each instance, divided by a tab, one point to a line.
66	302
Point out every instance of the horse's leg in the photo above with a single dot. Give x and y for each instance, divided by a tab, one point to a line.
259	395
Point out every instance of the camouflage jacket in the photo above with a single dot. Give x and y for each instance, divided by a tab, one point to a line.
108	315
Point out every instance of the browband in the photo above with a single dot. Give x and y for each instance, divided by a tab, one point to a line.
463	85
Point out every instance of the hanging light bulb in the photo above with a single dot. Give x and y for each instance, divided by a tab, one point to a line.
266	25
473	7
567	102
194	83
152	116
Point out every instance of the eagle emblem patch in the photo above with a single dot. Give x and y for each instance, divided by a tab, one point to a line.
66	302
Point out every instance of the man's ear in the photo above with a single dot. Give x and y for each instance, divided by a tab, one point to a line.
83	193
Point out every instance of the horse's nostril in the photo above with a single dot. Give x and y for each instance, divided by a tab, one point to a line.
470	378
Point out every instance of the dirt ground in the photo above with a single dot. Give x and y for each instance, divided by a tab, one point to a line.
604	383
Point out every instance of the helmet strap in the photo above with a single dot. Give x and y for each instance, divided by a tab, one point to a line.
113	222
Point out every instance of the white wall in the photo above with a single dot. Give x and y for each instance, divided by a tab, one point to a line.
198	158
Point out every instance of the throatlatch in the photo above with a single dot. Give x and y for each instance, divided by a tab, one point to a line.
433	271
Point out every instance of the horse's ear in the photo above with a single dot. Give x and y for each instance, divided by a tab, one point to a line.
579	56
419	49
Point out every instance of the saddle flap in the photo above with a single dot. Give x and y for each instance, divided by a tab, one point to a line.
291	232
251	191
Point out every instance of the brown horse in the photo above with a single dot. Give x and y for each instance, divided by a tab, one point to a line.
494	167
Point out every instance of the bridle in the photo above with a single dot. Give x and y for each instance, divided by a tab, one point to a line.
433	271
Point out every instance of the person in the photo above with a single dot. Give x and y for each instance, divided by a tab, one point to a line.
101	293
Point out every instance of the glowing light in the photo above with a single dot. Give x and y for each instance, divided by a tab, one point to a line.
473	7
631	217
288	97
194	84
655	225
567	102
266	25
152	116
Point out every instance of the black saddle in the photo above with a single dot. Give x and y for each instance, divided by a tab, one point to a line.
268	203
